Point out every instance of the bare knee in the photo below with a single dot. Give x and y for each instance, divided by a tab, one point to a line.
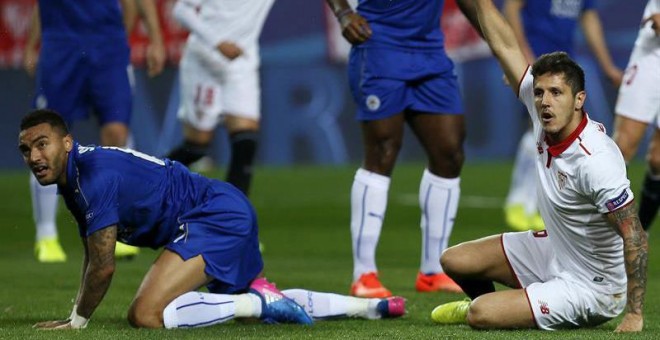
453	261
381	154
447	163
140	315
477	317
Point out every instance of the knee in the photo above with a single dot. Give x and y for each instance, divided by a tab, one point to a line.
476	317
140	315
448	161
452	261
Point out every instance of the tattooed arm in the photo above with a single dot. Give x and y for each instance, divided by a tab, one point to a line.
97	270
635	252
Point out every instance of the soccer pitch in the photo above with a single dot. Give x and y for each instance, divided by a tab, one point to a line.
304	225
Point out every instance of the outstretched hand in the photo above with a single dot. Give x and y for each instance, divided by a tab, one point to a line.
630	323
58	324
355	28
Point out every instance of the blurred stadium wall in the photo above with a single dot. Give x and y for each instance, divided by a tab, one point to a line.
307	109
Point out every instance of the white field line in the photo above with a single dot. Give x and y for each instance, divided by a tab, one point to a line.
484	202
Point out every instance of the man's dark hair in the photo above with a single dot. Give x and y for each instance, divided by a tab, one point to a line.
41	116
560	63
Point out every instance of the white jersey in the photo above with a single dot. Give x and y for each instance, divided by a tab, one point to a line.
581	179
212	22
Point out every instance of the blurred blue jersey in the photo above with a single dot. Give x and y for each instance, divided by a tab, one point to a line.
81	19
407	24
550	24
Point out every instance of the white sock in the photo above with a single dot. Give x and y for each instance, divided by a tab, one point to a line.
438	199
329	306
44	208
197	309
368	206
523	181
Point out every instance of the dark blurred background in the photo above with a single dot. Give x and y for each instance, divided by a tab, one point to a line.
306	105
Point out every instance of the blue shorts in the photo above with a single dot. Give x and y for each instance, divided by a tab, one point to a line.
74	77
224	231
386	81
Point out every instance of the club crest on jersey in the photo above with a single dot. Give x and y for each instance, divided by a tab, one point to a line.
615	203
561	179
373	102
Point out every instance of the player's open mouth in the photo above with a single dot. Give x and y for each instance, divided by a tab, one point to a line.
39	170
546	117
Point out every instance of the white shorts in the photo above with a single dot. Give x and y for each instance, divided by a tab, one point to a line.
210	90
556	301
639	96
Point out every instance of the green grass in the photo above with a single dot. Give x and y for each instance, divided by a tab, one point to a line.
304	217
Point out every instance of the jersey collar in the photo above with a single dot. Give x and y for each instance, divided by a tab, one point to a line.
557	149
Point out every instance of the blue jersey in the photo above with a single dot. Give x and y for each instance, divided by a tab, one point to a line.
81	19
143	195
550	24
156	202
407	24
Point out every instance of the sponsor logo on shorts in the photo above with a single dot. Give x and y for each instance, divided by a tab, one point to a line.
615	203
543	306
373	102
598	279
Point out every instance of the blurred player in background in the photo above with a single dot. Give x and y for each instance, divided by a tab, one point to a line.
544	26
591	263
638	105
83	65
219	79
399	73
208	230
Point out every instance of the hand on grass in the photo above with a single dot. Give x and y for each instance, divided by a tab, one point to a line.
630	323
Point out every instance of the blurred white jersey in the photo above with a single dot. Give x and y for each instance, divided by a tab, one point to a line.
639	98
212	22
580	179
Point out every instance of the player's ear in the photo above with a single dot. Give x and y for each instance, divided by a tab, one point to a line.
580	97
68	143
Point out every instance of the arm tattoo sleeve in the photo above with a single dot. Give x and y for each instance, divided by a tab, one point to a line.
99	271
635	252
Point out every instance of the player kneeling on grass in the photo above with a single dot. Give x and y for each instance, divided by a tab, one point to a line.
591	261
208	230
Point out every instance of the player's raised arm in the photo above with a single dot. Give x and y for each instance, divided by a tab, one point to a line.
635	253
502	41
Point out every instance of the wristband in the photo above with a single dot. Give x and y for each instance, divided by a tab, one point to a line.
77	321
344	12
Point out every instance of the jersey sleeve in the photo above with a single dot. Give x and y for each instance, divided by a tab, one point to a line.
102	201
186	13
605	180
526	96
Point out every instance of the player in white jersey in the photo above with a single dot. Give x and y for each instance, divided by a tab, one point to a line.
591	261
219	75
638	106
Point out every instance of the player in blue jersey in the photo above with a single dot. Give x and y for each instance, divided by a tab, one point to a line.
399	73
208	230
544	26
83	65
